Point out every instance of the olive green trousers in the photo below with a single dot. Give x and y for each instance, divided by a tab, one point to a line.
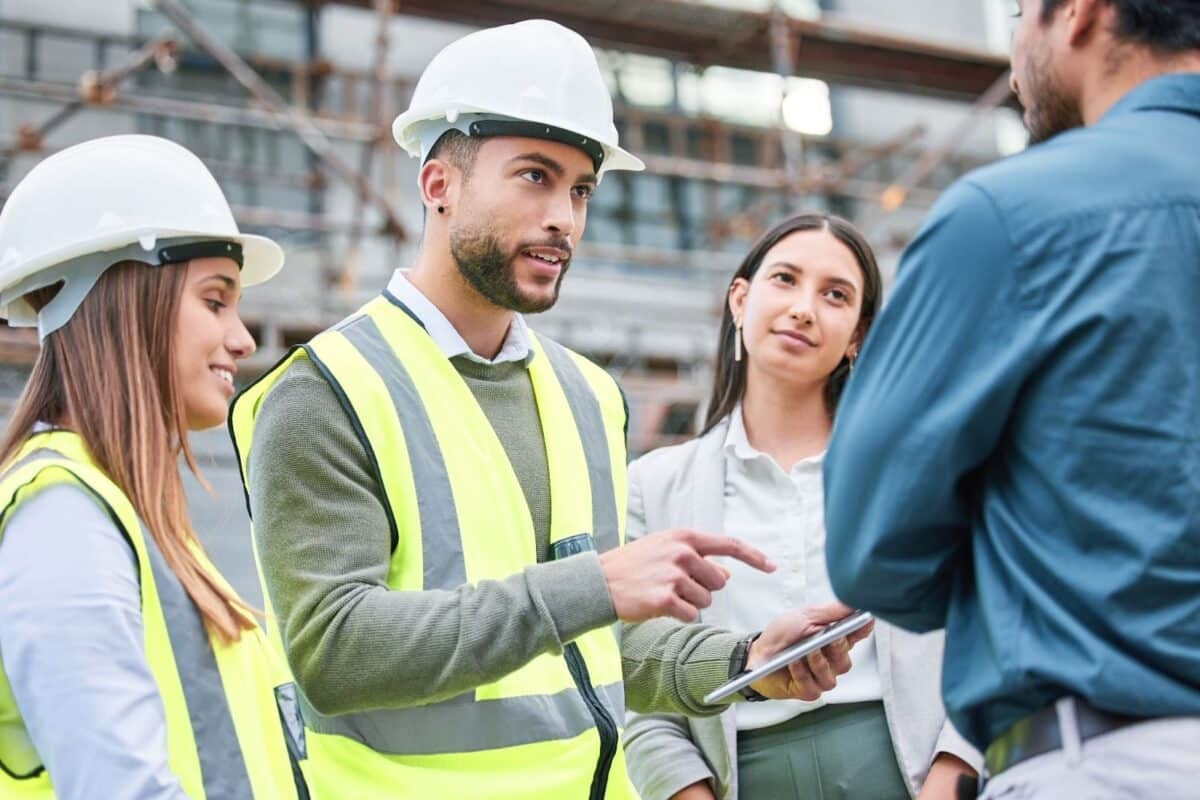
837	752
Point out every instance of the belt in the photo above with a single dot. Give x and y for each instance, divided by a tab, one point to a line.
1040	733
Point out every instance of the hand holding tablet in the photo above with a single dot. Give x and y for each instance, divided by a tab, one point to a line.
799	655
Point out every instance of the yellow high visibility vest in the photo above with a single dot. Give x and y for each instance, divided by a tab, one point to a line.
226	705
550	729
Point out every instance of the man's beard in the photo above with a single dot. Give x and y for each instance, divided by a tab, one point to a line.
1049	111
490	270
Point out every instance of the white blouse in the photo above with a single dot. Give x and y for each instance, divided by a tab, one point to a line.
781	514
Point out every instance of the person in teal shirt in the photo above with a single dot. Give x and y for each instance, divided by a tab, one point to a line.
1017	455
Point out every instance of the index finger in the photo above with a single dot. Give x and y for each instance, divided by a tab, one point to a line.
707	544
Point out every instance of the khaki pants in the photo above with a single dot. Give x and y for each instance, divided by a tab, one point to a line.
1157	760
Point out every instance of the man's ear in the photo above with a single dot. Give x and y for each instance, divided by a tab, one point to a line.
436	181
1085	19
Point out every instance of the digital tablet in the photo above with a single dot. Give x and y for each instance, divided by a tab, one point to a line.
835	631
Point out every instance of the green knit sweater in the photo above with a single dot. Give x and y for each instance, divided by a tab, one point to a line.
324	547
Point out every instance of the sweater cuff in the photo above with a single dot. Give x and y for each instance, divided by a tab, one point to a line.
573	593
707	668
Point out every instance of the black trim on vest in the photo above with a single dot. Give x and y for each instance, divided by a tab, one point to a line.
37	772
237	452
398	303
606	726
361	433
625	405
287	703
79	481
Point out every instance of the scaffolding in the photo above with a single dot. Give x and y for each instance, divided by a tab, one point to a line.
701	160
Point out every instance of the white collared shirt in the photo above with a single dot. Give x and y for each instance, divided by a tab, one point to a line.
783	515
448	339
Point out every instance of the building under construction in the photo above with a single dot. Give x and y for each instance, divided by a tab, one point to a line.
743	110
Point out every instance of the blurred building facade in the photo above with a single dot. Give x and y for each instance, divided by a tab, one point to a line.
730	149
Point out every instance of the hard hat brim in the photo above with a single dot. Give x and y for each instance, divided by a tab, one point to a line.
261	257
622	159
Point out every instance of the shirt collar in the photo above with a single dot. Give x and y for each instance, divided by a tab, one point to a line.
737	442
447	338
1178	92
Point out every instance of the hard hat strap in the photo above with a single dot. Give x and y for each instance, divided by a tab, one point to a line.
538	130
430	131
203	249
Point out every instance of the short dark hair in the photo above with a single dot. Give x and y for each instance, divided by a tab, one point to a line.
729	381
456	148
1169	26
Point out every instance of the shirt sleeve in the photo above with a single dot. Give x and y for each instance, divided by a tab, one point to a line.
668	665
71	634
923	410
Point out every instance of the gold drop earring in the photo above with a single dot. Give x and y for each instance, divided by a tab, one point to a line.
737	340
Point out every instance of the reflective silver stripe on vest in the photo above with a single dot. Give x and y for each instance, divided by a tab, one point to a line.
446	569
465	725
589	420
222	766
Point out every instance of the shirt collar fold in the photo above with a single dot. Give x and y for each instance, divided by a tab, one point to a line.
516	345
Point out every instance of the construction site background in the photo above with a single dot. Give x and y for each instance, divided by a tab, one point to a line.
744	110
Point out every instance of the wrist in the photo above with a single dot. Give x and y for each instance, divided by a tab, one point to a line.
572	594
738	663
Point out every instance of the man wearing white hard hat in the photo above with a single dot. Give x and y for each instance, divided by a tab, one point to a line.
438	493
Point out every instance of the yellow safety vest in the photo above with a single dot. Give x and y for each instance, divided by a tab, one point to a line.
550	729
226	705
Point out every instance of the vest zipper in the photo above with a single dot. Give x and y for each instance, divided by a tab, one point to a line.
605	724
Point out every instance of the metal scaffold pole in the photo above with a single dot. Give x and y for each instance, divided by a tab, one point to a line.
377	115
286	116
94	89
784	63
997	94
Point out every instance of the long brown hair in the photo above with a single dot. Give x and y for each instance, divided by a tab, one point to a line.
729	382
109	376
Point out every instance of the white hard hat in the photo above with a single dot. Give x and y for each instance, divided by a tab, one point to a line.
534	71
92	205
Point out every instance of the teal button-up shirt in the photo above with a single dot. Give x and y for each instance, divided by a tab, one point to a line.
1017	455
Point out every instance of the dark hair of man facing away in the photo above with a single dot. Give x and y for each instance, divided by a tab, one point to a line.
1165	26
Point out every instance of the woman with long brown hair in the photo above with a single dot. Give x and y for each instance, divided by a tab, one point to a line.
797	311
131	669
